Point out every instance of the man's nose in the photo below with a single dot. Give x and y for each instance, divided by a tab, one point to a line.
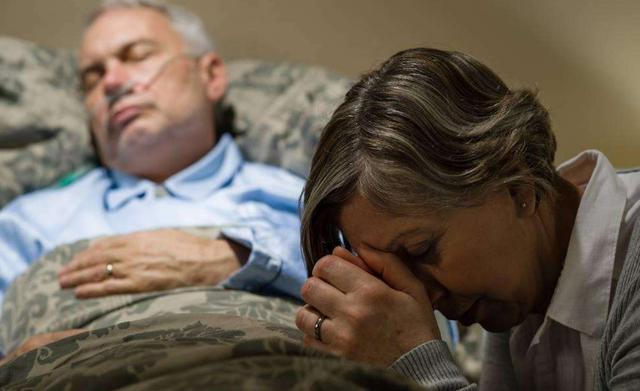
115	77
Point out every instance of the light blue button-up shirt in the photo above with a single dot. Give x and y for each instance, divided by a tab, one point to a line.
255	204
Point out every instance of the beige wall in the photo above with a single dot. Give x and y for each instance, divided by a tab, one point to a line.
583	56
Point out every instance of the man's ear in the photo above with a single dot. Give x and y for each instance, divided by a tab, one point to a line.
214	75
525	200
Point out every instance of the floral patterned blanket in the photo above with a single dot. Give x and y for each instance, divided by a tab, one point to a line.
183	339
190	351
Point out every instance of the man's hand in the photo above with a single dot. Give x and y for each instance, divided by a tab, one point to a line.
151	261
40	340
375	308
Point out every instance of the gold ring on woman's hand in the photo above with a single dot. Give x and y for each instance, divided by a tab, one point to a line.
317	326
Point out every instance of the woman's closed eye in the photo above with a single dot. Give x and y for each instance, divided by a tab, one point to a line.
425	252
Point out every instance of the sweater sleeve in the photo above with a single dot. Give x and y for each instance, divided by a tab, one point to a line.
431	365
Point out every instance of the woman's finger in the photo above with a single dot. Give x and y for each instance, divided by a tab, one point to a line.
323	296
306	319
392	271
342	274
354	259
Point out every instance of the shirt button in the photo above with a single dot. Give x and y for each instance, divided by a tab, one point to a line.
160	192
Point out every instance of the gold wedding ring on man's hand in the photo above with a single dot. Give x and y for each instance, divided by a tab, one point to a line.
109	270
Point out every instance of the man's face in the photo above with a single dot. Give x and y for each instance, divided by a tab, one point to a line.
151	105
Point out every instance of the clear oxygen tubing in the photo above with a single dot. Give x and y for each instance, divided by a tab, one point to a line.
128	87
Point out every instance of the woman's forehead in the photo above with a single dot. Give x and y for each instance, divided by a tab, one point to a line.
362	223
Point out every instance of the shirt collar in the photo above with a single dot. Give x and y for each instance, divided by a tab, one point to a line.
581	298
210	173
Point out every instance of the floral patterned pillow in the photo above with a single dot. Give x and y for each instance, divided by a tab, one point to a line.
281	109
43	130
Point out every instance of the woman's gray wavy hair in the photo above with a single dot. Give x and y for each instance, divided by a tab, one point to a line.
184	22
428	131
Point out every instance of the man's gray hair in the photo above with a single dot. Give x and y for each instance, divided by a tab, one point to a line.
184	22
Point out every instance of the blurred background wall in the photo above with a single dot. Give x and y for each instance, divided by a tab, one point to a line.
581	55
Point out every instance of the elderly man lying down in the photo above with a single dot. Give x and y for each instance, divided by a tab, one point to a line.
152	86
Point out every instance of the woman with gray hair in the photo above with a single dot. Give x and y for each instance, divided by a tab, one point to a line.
433	187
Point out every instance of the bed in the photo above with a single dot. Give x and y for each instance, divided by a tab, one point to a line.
181	339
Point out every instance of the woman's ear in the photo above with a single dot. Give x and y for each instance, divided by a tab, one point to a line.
525	200
214	75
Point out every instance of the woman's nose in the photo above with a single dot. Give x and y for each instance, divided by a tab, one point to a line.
435	290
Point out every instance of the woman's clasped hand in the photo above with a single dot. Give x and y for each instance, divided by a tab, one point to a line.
365	298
